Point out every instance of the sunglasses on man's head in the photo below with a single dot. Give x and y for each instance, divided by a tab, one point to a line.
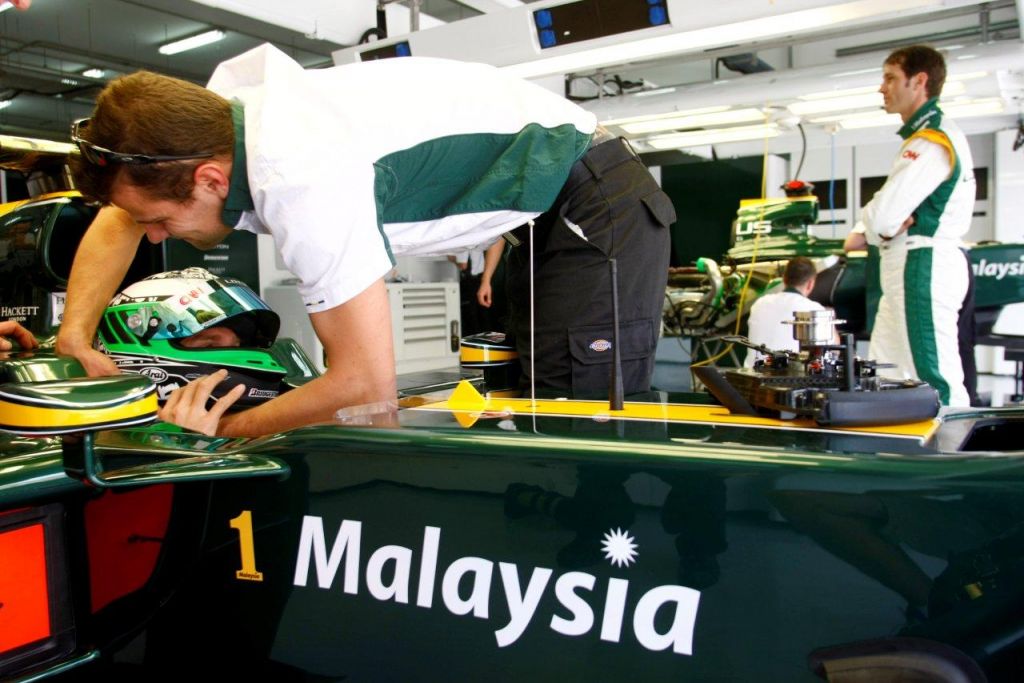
101	156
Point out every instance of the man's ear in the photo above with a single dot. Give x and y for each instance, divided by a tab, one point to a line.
213	177
921	80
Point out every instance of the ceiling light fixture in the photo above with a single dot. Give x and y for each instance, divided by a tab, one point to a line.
192	42
682	122
68	81
6	103
714	137
847	100
786	23
94	73
859	72
847	103
969	76
665	115
655	91
845	92
871	120
960	107
864	119
982	107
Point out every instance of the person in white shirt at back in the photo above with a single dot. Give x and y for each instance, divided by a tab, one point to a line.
766	325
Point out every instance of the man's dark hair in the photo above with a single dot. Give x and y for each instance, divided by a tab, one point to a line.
799	271
147	113
917	59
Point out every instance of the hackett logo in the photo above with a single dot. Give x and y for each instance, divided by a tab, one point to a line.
388	572
18	312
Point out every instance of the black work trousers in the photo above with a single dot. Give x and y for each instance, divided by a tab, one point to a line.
609	208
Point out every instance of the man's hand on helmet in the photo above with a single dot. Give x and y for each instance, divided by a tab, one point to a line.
97	363
186	407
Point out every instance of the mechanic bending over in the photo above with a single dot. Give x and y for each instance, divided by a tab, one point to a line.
918	219
444	156
12	328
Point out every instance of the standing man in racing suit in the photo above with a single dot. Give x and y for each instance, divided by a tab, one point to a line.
918	219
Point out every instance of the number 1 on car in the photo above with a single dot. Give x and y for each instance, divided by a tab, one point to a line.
243	524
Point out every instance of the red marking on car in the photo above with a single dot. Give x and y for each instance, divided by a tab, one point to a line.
124	534
911	154
24	591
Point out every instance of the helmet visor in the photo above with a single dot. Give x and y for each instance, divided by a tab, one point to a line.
203	305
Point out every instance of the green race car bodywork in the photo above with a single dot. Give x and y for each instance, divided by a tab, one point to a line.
467	537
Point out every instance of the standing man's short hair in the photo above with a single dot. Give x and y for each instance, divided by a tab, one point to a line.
917	59
799	271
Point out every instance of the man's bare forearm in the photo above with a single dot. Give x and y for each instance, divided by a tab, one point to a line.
317	401
361	369
100	264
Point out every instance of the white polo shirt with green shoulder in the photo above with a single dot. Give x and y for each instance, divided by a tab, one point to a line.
350	166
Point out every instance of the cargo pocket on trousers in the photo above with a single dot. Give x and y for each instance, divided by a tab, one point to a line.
660	207
591	352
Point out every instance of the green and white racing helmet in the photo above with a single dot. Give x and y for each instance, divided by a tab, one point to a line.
144	327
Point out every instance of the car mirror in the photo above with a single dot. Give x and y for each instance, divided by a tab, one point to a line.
75	409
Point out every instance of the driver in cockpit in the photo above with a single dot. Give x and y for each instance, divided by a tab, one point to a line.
180	326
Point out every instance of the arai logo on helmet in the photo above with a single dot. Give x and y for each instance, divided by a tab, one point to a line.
156	374
600	345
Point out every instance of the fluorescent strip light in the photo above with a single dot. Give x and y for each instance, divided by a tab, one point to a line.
191	42
832	118
859	72
837	104
68	81
654	91
960	108
821	105
714	137
695	121
845	92
992	105
965	77
93	73
6	103
713	36
878	70
871	121
953	89
667	114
